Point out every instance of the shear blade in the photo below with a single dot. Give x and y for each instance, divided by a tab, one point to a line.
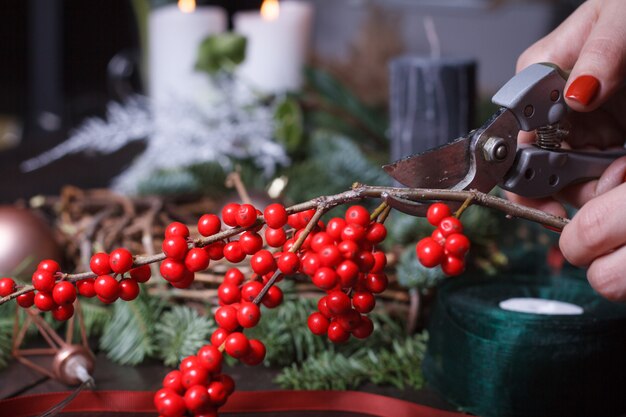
440	168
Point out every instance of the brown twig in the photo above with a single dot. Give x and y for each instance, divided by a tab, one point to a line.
357	193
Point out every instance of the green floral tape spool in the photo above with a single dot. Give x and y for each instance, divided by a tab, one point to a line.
565	359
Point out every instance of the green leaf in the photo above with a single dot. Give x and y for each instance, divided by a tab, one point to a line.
129	337
289	130
222	52
180	332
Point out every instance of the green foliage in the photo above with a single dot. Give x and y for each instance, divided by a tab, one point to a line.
398	365
95	317
180	332
334	162
129	337
222	52
7	315
289	130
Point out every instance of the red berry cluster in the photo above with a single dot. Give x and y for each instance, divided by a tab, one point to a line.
108	267
341	258
197	386
447	245
181	262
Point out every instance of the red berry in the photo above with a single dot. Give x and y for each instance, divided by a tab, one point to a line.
376	233
288	263
209	224
233	276
196	398
358	215
325	278
106	287
289	244
365	260
7	286
189	362
380	261
320	240
438	237
256	354
215	250
175	248
129	289
210	358
348	273
228	382
26	300
322	307
226	318
248	315
170	405
85	287
219	337
174	381
348	248
121	260
172	271
275	216
349	320
246	215
263	262
318	323
177	229
376	283
364	329
273	298
450	225
437	212
141	273
251	242
229	214
99	264
310	263
186	281
196	375
457	245
197	260
43	281
335	227
229	293
62	313
295	221
250	290
330	256
217	393
353	231
336	333
363	301
338	302
452	265
306	216
237	345
64	293
49	265
307	241
429	252
44	301
233	252
275	237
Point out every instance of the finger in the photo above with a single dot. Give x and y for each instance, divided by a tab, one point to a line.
597	228
548	205
579	194
562	46
607	275
601	66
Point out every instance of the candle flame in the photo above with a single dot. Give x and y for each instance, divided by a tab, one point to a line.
187	6
270	9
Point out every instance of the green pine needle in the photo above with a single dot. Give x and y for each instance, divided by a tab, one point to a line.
129	337
180	332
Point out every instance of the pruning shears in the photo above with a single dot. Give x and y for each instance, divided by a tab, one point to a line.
530	101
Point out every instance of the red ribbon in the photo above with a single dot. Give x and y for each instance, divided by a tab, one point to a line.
240	402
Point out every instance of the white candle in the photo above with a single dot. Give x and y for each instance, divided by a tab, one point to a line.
175	33
277	46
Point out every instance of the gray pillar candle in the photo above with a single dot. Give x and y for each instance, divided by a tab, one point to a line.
431	103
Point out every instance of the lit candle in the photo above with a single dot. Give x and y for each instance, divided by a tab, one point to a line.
175	33
278	38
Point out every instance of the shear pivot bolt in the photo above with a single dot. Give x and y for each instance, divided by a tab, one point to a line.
495	149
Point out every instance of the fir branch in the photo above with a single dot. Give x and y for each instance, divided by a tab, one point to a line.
6	339
129	337
181	332
95	318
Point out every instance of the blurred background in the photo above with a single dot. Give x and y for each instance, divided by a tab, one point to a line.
67	61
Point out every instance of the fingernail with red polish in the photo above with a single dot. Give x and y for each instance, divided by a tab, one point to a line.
583	89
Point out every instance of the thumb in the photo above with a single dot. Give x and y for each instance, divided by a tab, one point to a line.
601	66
